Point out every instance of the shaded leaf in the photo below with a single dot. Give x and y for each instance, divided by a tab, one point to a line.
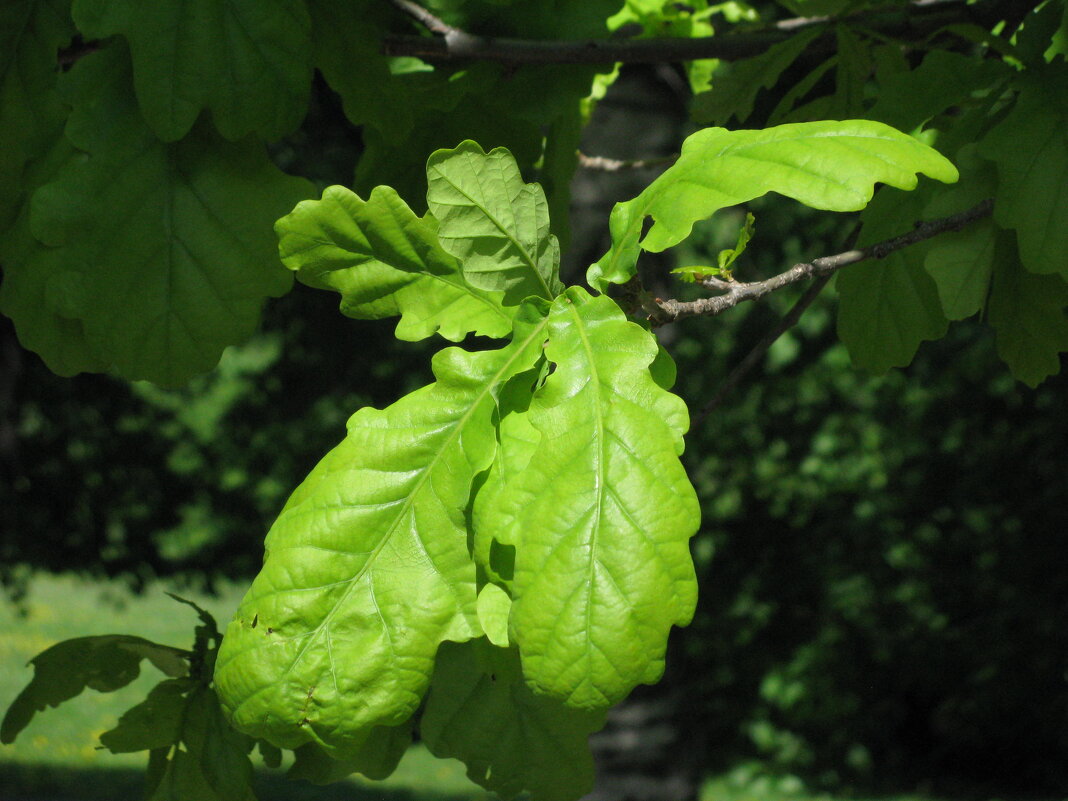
220	752
31	113
486	103
600	515
385	261
826	165
183	780
480	711
376	759
1028	313
158	762
167	248
247	62
1030	149
494	223
154	723
346	44
851	74
367	569
943	79
272	755
887	307
104	663
960	262
733	93
1041	36
38	283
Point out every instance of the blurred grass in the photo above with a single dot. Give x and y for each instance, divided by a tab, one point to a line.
56	756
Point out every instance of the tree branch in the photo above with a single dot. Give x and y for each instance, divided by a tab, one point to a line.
604	164
914	22
735	292
424	17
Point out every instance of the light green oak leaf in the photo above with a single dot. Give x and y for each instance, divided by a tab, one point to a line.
385	262
600	514
497	225
826	165
367	568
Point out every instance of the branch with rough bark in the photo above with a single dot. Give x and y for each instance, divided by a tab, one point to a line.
603	164
824	269
735	292
914	22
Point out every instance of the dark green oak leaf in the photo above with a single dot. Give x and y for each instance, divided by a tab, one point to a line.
734	91
888	306
346	47
31	112
1027	312
944	79
1030	148
168	250
154	723
246	61
480	711
104	663
38	290
376	759
961	262
220	751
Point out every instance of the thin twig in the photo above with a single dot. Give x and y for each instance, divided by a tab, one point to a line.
616	165
424	17
736	292
914	22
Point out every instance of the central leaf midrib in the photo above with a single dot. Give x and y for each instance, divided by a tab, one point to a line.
459	425
598	468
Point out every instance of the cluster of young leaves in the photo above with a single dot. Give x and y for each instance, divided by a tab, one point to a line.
528	506
994	101
193	752
136	194
498	557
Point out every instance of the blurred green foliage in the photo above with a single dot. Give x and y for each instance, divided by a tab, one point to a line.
882	599
131	480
